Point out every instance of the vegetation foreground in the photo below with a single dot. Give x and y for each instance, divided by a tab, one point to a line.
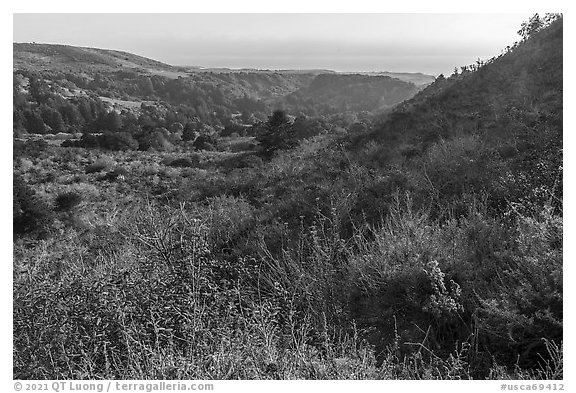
425	243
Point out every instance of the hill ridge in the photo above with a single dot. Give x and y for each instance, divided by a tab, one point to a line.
128	59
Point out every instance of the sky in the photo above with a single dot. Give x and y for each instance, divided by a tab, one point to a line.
428	43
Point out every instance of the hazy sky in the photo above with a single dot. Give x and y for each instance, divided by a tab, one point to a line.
429	43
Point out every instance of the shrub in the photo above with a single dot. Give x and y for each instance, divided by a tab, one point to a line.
451	277
117	141
185	162
31	215
205	142
206	146
170	173
158	139
250	161
26	164
228	217
526	304
461	165
89	141
118	173
32	148
67	201
98	166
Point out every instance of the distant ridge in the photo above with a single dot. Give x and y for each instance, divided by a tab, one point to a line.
67	57
418	78
46	54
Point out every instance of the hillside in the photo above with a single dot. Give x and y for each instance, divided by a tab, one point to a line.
482	150
336	93
126	68
529	76
38	57
418	78
131	79
512	104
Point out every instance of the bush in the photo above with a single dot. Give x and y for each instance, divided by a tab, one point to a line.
502	281
185	162
98	166
32	148
118	141
526	304
205	142
67	201
250	161
228	217
31	215
117	174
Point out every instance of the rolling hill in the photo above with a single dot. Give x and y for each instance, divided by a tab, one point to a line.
117	72
351	93
32	56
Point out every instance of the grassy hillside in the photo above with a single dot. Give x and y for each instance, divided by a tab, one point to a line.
64	57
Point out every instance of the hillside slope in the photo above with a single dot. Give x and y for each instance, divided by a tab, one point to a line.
418	78
216	96
31	56
351	92
528	77
480	155
512	106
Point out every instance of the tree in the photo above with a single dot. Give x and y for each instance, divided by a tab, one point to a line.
117	141
18	121
277	134
113	121
85	109
277	119
303	128
146	86
531	26
205	142
176	131
53	119
190	132
34	122
157	138
39	89
70	115
88	141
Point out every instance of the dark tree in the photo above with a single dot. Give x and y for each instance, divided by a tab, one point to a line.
53	119
113	121
117	141
278	134
39	90
277	119
71	115
34	122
